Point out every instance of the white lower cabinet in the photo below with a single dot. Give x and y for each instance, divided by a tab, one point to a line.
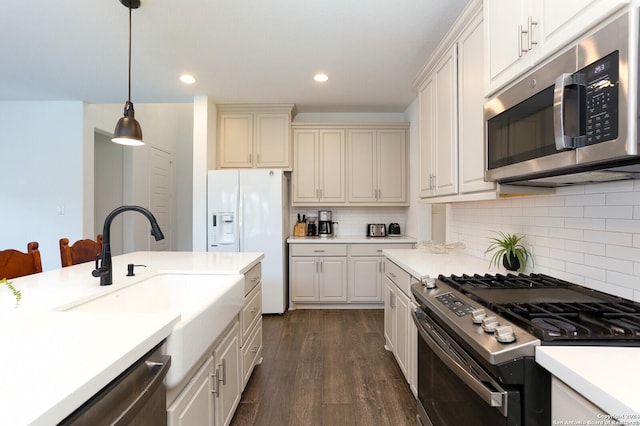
212	394
338	273
366	270
318	272
365	280
194	406
399	330
569	407
227	385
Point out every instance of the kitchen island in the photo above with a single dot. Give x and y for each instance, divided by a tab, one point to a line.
55	360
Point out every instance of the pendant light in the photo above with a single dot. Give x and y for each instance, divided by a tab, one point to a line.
128	130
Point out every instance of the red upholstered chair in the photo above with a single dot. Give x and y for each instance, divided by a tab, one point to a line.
81	251
14	263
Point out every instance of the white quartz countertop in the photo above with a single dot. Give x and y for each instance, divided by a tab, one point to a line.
53	361
352	239
607	376
423	262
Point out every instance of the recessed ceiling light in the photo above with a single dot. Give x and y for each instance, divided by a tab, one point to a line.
321	78
187	79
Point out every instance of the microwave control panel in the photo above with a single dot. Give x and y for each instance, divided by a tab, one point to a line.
601	94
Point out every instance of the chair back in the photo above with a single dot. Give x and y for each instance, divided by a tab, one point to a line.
14	263
80	252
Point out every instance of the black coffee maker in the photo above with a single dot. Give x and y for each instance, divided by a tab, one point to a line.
325	225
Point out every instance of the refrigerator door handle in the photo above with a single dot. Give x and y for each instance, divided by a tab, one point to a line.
240	222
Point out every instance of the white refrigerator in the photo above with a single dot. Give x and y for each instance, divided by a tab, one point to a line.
248	212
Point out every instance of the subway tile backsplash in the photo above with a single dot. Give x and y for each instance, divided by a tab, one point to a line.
587	234
352	221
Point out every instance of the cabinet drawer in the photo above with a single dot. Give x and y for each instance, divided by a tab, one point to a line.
319	249
251	352
251	312
375	249
399	276
252	277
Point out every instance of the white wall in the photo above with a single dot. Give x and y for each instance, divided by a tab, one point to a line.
42	191
47	154
588	234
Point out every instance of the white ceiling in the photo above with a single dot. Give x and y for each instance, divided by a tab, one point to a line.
238	50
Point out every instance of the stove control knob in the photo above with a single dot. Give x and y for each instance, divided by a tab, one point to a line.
489	324
505	334
477	315
428	282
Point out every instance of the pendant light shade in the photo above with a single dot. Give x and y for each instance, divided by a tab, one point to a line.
128	130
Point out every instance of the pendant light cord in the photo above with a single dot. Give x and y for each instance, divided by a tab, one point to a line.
129	53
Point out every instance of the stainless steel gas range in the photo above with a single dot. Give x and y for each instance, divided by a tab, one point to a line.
477	339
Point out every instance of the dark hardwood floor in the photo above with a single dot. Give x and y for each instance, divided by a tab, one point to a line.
326	367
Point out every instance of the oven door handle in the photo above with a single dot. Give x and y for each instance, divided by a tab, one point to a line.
489	396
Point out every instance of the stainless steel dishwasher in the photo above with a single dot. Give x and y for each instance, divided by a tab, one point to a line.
136	397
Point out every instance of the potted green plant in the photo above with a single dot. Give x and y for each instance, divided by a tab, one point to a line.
508	248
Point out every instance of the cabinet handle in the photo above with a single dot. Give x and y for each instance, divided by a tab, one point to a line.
255	349
317	266
250	157
379	194
257	158
321	262
521	48
318	251
216	388
392	275
224	372
530	24
320	190
254	279
254	310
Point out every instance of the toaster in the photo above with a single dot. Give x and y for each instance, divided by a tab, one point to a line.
376	230
394	229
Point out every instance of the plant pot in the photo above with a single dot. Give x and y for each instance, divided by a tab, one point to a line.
512	264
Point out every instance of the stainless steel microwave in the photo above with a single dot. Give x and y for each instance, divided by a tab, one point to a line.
572	120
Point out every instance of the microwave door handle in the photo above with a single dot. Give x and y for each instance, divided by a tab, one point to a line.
562	141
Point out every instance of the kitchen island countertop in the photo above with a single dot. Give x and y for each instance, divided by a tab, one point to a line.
53	361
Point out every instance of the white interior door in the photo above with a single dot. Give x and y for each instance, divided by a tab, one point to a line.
160	195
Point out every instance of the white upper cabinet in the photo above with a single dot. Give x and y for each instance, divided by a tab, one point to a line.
377	165
521	33
350	164
254	136
472	155
319	166
438	129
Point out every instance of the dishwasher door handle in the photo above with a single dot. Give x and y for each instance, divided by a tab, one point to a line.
157	368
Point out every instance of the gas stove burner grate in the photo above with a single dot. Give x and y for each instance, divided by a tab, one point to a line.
503	281
576	321
554	310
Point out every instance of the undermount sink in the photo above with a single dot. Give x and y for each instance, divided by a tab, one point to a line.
206	305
